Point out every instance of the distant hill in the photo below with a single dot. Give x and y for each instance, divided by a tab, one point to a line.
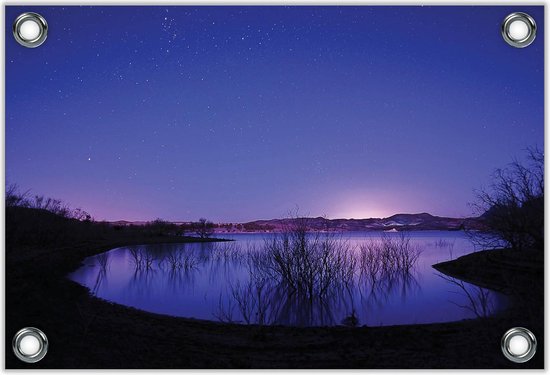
399	222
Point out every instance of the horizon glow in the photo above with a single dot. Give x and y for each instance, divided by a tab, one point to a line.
245	113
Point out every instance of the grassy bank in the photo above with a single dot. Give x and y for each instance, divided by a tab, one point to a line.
86	332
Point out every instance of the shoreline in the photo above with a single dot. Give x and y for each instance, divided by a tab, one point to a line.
94	329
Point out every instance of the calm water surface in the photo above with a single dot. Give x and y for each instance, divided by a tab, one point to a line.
213	281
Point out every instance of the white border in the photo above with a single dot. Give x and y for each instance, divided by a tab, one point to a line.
518	3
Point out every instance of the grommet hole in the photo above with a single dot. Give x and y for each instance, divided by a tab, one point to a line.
30	345
518	30
29	30
518	345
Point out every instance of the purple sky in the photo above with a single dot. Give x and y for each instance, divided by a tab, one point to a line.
236	113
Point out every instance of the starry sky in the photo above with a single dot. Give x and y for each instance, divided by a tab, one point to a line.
244	113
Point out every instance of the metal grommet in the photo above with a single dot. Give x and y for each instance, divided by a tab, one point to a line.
519	29
30	29
519	344
30	345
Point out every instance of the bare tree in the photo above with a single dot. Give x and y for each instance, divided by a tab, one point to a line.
204	228
14	198
513	206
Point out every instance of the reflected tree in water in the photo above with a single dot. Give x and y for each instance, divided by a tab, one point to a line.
479	301
300	278
141	258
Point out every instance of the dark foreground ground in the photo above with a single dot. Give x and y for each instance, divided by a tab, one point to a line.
85	332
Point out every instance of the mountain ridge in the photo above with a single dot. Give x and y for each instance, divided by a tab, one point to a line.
396	222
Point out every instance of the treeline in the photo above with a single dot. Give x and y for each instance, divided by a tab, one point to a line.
202	228
35	220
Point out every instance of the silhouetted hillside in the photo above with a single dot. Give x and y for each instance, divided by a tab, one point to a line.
32	226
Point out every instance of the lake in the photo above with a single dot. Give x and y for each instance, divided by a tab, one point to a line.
221	281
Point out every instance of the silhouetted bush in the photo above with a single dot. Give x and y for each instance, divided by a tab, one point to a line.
161	227
309	263
15	198
203	228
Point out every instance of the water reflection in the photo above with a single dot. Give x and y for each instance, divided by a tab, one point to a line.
481	302
380	291
264	303
238	282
